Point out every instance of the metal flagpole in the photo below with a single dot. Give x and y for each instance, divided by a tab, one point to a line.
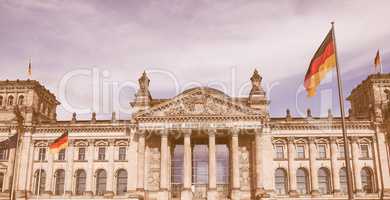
381	67
345	139
19	120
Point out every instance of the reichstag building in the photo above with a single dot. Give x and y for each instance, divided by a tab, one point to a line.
201	144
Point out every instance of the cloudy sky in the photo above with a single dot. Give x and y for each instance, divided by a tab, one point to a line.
91	53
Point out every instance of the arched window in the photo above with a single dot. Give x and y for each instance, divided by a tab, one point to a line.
81	178
280	181
1	100
121	182
11	100
343	180
40	181
366	175
101	182
1	181
323	181
60	181
21	100
302	181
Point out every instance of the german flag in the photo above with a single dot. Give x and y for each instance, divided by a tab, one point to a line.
60	143
323	61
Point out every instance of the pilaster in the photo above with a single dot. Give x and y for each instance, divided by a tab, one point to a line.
356	166
235	164
335	167
91	156
291	168
212	189
163	194
313	167
187	179
69	168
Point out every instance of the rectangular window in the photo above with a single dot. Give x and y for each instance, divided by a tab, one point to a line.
3	154
300	152
101	153
61	154
279	152
364	151
322	151
42	154
122	153
341	151
81	153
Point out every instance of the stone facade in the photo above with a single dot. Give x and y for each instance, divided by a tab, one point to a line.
200	144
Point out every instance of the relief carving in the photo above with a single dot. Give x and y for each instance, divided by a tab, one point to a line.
244	169
154	169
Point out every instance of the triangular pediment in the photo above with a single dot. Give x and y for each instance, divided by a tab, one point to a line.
199	102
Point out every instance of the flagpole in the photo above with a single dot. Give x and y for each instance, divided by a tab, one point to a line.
381	69
345	139
19	129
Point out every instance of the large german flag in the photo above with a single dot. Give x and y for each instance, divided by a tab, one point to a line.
60	143
323	61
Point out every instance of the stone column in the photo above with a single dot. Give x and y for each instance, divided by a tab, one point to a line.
163	194
212	190
291	168
259	163
313	167
49	173
22	163
335	168
90	173
141	163
383	146
110	174
377	169
187	168
69	169
10	170
132	164
235	165
355	165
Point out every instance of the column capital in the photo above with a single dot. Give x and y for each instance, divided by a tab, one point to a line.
311	139
164	132
71	143
290	140
187	132
234	132
91	141
141	133
354	139
258	131
332	139
212	132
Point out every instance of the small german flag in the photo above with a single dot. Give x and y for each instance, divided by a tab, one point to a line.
322	62
60	143
377	61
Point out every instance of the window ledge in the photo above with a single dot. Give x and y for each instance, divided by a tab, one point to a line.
120	160
365	158
80	160
100	160
280	159
38	161
59	161
301	159
322	158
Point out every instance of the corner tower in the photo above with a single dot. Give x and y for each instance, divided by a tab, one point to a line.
369	99
35	102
